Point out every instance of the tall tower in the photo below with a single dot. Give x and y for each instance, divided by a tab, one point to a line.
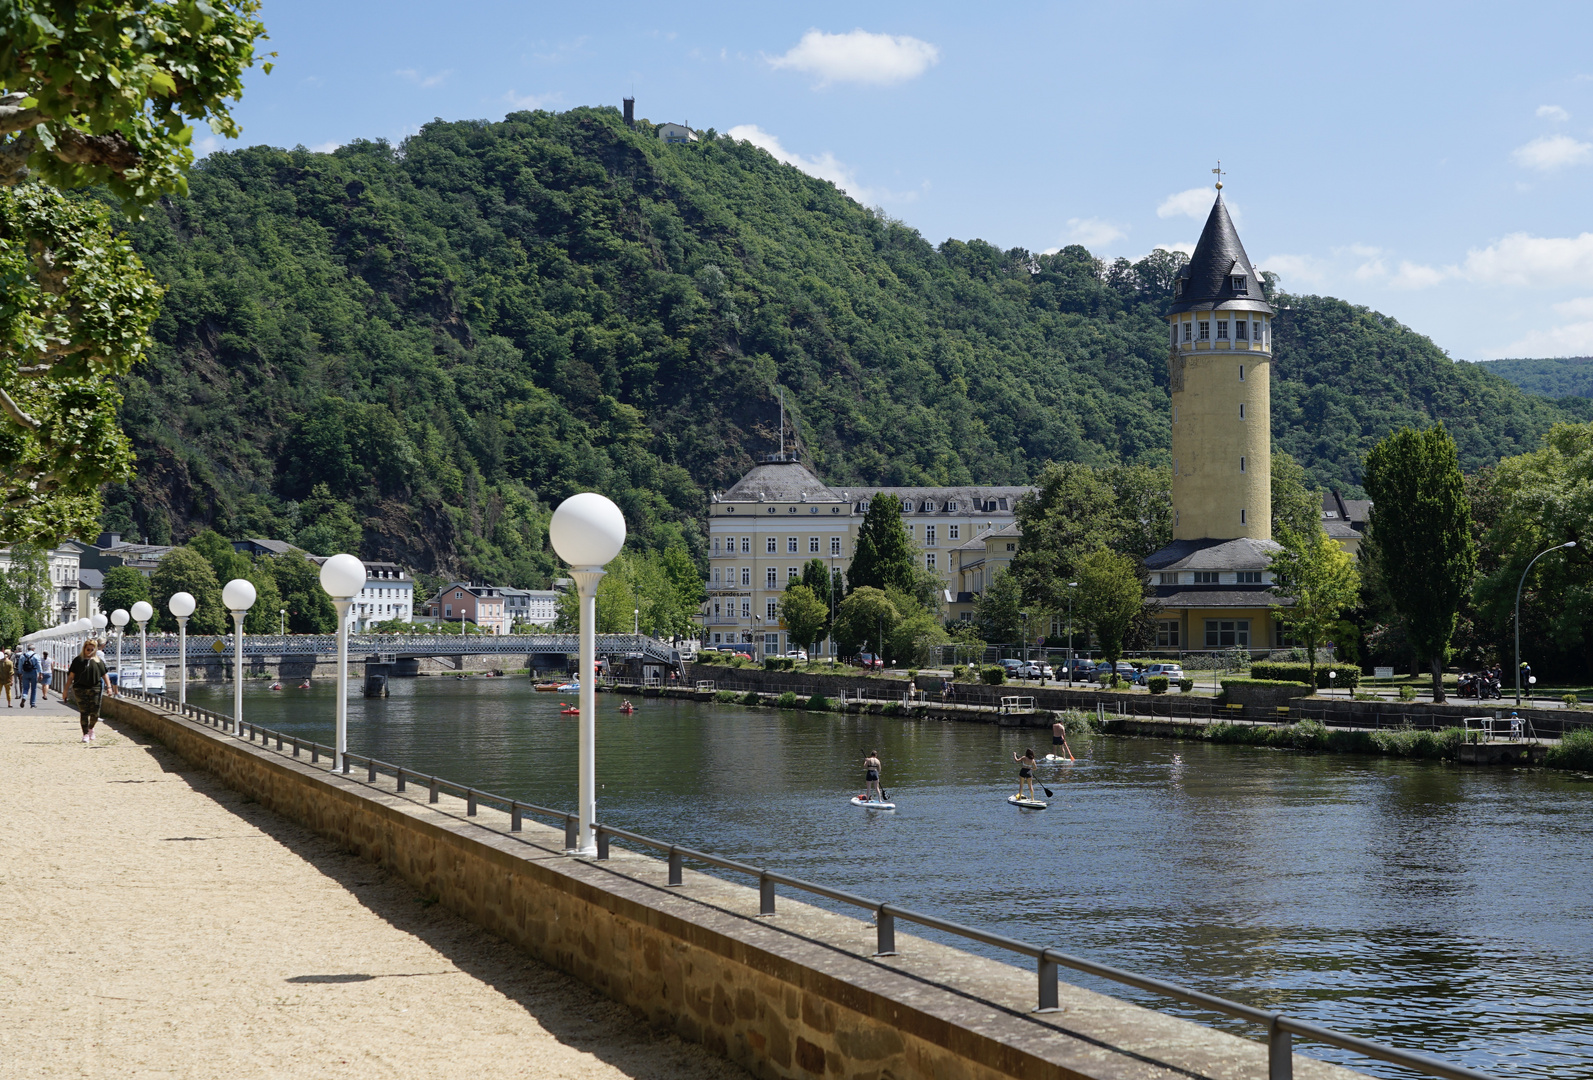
1220	376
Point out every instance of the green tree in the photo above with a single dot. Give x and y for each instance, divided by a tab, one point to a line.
865	617
1421	521
28	586
804	615
329	526
884	554
310	610
218	552
1296	505
265	617
124	587
185	570
999	610
681	572
1111	599
1320	579
100	93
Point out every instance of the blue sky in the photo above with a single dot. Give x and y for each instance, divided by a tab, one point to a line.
1431	161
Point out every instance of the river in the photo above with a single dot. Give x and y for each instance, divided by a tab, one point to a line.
1418	904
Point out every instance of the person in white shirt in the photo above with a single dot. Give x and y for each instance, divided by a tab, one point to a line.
45	667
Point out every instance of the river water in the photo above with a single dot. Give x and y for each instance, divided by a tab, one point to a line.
1418	904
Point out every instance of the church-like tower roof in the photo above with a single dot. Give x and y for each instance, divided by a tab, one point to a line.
1206	281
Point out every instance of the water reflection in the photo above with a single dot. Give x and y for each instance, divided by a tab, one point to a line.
1413	903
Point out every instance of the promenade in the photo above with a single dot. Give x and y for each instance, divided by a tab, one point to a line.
157	924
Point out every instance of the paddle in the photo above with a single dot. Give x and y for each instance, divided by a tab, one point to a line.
1048	792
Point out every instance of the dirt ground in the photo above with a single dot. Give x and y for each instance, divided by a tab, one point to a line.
155	924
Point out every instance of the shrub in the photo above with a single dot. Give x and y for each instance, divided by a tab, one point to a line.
1407	693
1077	721
1186	685
751	698
912	674
1345	675
893	708
708	658
1408	742
1571	701
1157	684
819	703
994	675
728	697
1574	752
788	700
779	663
958	672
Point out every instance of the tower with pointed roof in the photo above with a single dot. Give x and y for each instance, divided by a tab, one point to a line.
1220	379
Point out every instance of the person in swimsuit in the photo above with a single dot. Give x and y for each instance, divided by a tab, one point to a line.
871	789
1059	737
1026	772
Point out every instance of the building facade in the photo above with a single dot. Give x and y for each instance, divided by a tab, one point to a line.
463	602
778	517
389	594
536	607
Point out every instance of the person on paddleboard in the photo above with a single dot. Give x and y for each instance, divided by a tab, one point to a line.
871	788
1059	737
1026	773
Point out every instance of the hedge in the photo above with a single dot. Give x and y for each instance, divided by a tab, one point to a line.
1157	684
995	675
1345	675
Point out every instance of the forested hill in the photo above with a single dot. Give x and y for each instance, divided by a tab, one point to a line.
1562	376
453	334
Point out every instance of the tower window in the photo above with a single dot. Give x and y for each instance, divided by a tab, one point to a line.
1241	516
1241	373
1241	469
1175	519
1189	328
1222	329
1170	579
1173	334
1241	410
1248	577
1205	331
1175	466
1240	285
1175	414
1239	330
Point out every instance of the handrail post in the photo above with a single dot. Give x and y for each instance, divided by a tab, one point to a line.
765	895
470	802
370	770
433	796
675	875
295	746
602	842
400	781
885	932
572	830
1280	1051
1048	991
515	820
315	753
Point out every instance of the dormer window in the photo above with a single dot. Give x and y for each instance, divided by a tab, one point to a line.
1178	287
1240	283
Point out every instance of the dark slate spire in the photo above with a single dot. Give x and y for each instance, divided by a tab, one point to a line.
1206	281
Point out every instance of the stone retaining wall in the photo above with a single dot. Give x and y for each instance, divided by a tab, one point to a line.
796	995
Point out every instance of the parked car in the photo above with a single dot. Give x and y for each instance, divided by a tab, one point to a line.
1082	668
797	654
1174	672
1012	667
1034	670
870	660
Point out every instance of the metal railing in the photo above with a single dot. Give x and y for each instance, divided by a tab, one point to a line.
1280	1029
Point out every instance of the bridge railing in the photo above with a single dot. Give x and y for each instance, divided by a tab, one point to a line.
162	646
1280	1029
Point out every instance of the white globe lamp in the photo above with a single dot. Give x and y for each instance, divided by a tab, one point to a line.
238	595
182	605
119	619
587	531
142	613
343	577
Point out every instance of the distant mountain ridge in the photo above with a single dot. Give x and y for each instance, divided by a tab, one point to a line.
1554	377
422	348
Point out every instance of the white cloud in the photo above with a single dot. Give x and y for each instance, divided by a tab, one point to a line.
425	82
826	166
1093	232
1186	246
1416	276
1553	112
518	101
326	147
1580	308
860	57
1572	339
1195	203
1551	152
1537	261
1305	269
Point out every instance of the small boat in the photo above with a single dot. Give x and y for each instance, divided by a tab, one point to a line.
545	687
566	709
627	709
305	685
276	686
568	688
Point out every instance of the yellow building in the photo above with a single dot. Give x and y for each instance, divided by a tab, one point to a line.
778	517
978	563
1212	581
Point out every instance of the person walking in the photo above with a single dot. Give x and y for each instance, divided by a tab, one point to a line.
28	674
8	671
45	669
89	680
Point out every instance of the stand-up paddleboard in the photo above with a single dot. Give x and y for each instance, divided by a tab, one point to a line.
872	804
1052	759
1027	804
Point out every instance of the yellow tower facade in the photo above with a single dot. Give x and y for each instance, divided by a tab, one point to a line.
1220	378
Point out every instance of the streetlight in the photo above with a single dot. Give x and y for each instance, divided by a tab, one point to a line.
636	626
181	606
119	619
282	627
1025	615
142	612
239	596
1071	586
587	530
1524	573
342	576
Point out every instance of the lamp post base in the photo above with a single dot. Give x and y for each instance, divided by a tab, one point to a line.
582	853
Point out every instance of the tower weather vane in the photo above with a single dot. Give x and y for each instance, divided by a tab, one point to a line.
1218	171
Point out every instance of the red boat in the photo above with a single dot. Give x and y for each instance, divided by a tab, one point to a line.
569	710
627	709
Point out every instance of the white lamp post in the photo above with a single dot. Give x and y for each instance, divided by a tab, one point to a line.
142	613
587	531
342	576
181	606
282	622
119	619
238	594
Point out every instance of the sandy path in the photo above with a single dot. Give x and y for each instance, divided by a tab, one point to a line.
154	923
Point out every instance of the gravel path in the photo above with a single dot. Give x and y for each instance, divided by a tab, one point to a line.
155	924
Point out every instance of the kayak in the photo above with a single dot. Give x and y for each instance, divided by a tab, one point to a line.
872	804
627	709
1027	804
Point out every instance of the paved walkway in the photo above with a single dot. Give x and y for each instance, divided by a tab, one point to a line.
155	924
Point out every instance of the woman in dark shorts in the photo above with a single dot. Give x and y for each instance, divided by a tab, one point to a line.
871	767
89	680
1026	772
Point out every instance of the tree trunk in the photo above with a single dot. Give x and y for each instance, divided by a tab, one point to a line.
1438	680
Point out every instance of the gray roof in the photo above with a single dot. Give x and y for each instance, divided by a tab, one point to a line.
1205	282
970	499
1218	596
1208	554
280	547
786	481
90	579
1341	530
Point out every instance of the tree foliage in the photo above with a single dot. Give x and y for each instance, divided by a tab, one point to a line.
655	584
185	570
803	614
124	587
1296	504
998	613
1421	524
884	557
1319	578
867	617
1111	599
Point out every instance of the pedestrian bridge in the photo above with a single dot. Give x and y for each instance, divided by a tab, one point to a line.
390	647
